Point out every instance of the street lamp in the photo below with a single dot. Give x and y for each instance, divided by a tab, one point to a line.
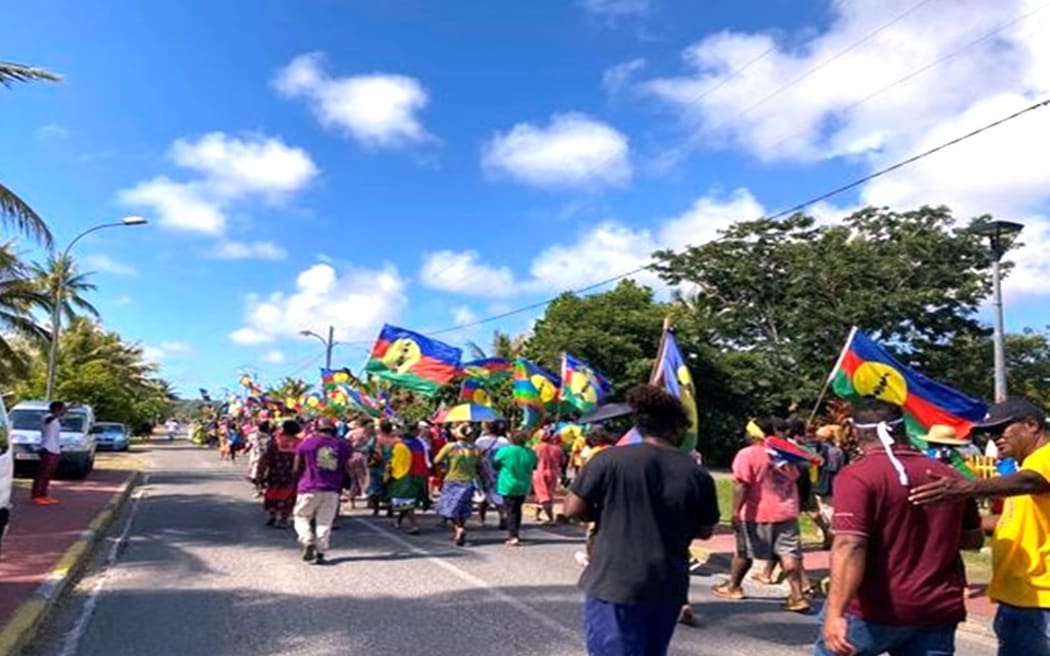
996	232
328	343
56	300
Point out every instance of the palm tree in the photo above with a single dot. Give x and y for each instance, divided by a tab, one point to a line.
58	278
14	210
19	296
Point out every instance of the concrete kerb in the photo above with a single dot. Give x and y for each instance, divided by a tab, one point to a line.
26	620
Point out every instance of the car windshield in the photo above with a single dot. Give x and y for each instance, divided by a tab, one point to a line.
33	420
108	430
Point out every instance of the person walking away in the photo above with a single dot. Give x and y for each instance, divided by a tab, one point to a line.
650	501
597	441
897	579
277	471
550	458
833	459
258	441
320	461
1020	559
50	454
765	520
493	438
514	464
439	437
408	480
461	460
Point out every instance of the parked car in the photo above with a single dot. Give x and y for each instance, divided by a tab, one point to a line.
77	441
111	435
7	471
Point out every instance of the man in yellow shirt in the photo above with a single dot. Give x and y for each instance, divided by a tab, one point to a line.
1021	546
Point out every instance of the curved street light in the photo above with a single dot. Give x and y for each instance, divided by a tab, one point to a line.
56	300
329	343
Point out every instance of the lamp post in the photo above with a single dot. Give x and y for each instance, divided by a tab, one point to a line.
328	343
996	232
56	299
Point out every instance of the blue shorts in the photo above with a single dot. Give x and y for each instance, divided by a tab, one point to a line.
1022	630
628	629
870	639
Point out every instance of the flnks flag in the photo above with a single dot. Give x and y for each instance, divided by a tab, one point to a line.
535	391
866	369
670	372
490	370
473	391
582	386
413	361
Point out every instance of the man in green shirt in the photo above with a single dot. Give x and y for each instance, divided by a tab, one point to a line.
515	463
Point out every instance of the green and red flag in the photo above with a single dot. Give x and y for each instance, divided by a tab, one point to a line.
867	369
473	391
582	386
490	370
535	391
412	361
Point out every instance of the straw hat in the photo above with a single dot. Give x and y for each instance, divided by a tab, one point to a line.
941	434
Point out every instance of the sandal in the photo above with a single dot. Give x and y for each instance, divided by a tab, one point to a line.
799	605
760	577
724	591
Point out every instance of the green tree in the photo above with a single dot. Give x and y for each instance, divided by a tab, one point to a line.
19	297
59	279
786	293
617	332
13	210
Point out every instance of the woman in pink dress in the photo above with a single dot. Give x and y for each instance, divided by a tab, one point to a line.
550	458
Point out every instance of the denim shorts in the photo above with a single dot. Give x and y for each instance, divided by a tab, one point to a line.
1022	631
870	639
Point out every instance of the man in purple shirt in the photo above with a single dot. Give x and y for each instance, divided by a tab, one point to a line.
320	462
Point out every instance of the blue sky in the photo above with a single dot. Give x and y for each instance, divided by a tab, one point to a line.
430	163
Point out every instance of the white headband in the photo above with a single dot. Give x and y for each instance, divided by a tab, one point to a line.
882	428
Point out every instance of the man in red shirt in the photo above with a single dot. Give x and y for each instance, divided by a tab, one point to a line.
897	579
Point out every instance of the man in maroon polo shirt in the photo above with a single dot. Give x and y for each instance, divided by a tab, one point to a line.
897	579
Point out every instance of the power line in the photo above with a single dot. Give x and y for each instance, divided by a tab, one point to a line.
846	187
919	71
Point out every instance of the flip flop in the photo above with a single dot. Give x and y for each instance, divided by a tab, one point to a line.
723	591
797	606
760	577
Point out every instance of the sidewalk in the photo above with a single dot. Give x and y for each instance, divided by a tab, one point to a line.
45	545
717	553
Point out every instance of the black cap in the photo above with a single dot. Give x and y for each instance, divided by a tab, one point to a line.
1009	411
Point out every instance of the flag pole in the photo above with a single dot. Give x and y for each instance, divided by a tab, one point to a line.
827	381
658	361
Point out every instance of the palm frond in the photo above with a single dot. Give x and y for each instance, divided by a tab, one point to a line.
15	211
476	351
12	72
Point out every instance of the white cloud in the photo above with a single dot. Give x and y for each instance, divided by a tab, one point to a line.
228	170
615	78
52	131
105	264
250	337
273	357
839	109
464	273
462	315
249	250
574	150
617	8
123	300
377	109
158	354
357	301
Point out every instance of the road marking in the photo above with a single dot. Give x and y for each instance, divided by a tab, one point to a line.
76	634
475	581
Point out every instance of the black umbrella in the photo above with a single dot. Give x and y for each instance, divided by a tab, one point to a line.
606	412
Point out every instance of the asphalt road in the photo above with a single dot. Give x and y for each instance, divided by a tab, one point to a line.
201	574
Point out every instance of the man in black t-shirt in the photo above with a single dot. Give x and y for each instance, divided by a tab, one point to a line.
650	501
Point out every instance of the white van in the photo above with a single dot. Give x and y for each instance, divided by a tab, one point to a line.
77	440
7	470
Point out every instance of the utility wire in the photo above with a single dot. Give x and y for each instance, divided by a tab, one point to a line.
846	187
